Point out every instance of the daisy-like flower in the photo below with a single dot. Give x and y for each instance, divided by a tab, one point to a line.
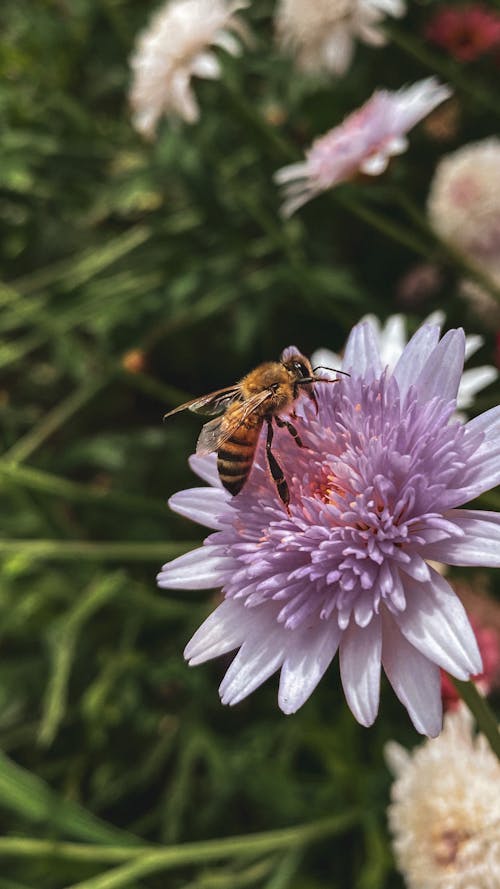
321	33
376	493
464	201
175	47
363	143
465	32
445	809
391	340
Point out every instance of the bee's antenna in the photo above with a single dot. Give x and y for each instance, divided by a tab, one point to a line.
333	369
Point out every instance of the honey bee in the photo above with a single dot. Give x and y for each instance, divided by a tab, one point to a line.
241	410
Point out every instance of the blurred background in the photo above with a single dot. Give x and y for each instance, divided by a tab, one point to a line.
136	275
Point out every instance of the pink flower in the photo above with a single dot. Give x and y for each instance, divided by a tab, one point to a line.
376	493
465	32
488	642
363	143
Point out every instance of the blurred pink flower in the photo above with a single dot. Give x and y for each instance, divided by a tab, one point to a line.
376	493
464	201
363	143
488	641
465	32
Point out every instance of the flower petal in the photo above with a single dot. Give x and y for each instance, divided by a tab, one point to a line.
306	663
473	342
261	655
201	569
360	656
202	505
435	623
415	356
414	678
483	471
362	355
328	361
441	375
222	631
473	380
206	468
480	544
392	340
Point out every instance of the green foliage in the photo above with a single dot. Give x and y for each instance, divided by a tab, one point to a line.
132	276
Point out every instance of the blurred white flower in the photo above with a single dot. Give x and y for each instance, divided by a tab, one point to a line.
175	47
321	33
464	201
363	143
392	338
445	811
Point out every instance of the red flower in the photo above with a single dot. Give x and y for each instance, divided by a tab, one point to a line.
466	32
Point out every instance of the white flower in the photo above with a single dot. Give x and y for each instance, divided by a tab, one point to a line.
321	33
464	201
176	46
364	142
445	810
392	338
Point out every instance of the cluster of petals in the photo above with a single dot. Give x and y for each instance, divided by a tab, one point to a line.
321	33
392	338
176	46
464	209
464	200
376	494
363	143
445	809
466	32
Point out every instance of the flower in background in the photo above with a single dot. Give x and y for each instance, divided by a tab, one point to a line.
464	209
465	32
464	201
175	47
445	809
363	143
376	492
488	641
391	341
321	33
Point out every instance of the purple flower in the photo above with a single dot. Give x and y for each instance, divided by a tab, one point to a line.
376	493
363	143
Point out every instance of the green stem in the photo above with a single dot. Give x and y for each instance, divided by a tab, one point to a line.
167	395
381	223
37	480
212	850
123	551
77	270
53	420
480	709
183	854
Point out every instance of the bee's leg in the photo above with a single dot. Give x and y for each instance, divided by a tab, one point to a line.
291	428
275	468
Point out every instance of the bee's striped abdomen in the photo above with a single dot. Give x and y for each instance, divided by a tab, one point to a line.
235	457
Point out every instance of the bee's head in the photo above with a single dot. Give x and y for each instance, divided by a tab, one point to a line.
297	365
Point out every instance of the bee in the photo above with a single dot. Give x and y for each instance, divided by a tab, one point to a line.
241	410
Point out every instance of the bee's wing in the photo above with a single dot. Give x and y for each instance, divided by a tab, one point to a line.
216	432
210	405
